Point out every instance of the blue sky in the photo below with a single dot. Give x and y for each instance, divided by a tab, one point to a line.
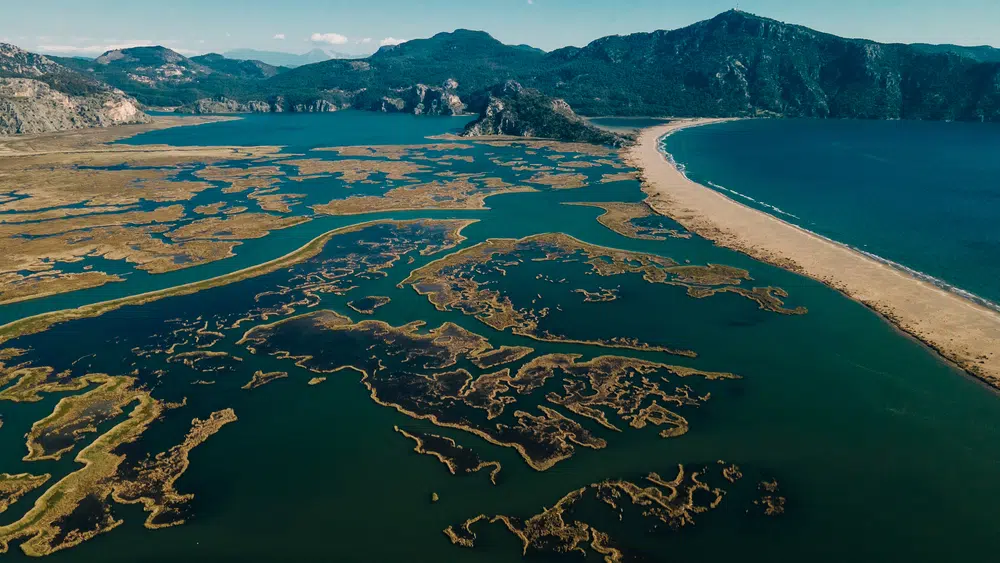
359	26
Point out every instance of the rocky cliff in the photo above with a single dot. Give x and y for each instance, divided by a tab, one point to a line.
274	104
511	109
419	99
38	95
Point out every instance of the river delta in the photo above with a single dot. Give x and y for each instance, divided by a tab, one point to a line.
359	328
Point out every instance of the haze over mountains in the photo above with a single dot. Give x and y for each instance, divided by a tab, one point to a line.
290	60
736	64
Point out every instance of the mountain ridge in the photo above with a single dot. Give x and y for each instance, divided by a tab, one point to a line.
735	64
511	109
160	77
39	95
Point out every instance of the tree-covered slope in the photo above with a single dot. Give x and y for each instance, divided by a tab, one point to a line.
472	59
741	64
243	69
158	76
734	64
510	109
980	53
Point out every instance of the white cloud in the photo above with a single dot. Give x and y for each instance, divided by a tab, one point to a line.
278	36
331	38
365	40
531	2
391	41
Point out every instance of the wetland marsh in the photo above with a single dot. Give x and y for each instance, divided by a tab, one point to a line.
474	349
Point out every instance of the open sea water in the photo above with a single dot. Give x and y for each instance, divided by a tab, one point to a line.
924	196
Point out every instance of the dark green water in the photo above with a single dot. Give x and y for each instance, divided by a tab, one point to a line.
883	451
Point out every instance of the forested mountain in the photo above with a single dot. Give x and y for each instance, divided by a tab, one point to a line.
740	64
735	64
161	77
511	109
245	69
982	53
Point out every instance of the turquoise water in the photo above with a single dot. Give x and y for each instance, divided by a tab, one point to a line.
300	131
884	451
296	134
922	194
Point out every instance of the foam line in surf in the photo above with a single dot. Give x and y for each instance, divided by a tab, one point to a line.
936	282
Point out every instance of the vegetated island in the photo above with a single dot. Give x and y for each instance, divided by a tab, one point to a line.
960	330
41	322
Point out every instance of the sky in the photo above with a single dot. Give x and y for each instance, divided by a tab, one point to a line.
88	28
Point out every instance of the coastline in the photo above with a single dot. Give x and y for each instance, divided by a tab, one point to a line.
960	330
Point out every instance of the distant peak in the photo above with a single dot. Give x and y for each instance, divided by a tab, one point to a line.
736	15
462	33
145	52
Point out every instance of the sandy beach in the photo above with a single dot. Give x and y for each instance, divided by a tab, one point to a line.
960	330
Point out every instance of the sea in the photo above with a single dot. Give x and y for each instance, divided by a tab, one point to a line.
883	451
921	196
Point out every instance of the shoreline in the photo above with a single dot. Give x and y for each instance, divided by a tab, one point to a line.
99	139
43	321
961	330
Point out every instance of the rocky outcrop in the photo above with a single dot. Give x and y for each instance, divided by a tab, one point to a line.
225	105
244	70
150	66
276	104
421	100
31	106
39	95
15	61
318	106
510	109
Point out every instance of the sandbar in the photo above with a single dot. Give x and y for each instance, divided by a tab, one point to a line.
961	331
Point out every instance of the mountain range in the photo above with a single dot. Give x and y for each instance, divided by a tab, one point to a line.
735	64
289	60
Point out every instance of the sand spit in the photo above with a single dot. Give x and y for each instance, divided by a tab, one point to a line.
960	330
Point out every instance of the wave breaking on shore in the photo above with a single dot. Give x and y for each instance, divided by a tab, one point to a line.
925	277
960	326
